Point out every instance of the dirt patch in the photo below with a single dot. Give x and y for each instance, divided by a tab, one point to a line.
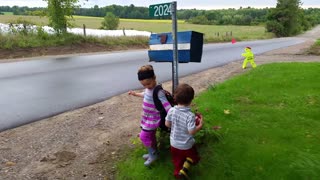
86	143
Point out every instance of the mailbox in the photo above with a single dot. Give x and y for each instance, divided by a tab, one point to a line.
190	45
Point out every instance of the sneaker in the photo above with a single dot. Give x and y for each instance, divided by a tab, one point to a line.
145	156
184	174
150	160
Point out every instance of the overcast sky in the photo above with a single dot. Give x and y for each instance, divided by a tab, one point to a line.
181	4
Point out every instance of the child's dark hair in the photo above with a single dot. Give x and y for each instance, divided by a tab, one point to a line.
146	72
184	94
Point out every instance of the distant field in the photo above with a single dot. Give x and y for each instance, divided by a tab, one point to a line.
7	13
35	19
157	26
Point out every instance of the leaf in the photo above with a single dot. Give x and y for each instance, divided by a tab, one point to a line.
226	111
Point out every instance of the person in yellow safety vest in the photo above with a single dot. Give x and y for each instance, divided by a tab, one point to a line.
249	57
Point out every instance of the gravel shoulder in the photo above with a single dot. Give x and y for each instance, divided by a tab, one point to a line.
86	143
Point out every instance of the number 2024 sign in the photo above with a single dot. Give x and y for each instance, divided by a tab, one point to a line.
158	10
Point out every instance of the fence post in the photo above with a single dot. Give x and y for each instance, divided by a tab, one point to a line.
84	30
124	31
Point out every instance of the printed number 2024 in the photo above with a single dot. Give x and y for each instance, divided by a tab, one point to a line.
162	10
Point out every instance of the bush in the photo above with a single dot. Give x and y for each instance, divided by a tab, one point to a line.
276	28
42	34
110	22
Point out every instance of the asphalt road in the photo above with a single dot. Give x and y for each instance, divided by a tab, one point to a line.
37	89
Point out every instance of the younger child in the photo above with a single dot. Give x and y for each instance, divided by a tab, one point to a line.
249	57
150	119
183	126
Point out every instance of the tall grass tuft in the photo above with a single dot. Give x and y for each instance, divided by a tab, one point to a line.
43	39
315	48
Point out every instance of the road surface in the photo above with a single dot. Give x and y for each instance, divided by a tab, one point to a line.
37	89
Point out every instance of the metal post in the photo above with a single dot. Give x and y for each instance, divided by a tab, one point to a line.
175	61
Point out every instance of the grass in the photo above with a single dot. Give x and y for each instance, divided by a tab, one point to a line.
7	13
157	26
35	19
272	131
315	48
31	40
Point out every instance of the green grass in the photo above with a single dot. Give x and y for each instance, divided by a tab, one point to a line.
7	13
31	40
315	48
35	19
272	131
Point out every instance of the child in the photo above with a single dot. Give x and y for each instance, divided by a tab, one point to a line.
183	126
150	119
249	57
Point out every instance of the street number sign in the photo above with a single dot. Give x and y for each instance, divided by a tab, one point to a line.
159	10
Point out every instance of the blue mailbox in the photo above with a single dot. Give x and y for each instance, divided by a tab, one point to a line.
190	45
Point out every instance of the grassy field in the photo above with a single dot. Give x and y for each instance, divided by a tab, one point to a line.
7	13
156	26
271	132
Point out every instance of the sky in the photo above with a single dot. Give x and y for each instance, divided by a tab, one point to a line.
181	4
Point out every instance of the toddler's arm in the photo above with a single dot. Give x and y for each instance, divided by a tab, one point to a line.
198	126
168	124
136	94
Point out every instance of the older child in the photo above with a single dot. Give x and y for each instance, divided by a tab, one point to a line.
150	119
183	126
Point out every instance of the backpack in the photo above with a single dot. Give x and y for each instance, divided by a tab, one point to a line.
159	106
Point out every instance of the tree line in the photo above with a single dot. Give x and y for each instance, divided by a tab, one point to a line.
231	16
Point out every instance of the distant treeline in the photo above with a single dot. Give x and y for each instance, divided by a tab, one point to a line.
241	16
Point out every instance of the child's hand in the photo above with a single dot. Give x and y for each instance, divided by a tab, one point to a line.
199	120
132	93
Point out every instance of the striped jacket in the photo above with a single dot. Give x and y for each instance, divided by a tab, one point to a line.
150	119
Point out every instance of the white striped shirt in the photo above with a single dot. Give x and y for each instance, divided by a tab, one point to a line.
182	121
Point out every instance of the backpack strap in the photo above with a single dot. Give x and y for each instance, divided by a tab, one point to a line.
156	99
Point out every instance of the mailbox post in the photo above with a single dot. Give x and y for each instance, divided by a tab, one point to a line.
175	47
166	9
182	47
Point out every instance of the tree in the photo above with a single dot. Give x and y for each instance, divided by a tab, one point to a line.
110	22
58	11
285	19
199	20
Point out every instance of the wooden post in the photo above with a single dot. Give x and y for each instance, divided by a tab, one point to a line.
84	30
124	31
